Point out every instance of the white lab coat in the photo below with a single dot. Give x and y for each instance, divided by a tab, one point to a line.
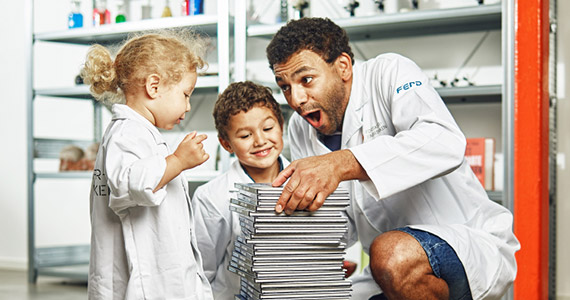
217	228
402	134
142	243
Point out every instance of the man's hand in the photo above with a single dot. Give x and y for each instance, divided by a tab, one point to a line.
313	179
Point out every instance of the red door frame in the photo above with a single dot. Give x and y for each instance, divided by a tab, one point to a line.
531	131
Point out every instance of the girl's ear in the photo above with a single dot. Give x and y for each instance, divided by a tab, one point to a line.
152	83
225	144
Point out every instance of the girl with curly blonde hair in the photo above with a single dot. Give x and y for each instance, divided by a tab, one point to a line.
143	245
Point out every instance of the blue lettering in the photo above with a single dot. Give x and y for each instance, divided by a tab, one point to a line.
408	85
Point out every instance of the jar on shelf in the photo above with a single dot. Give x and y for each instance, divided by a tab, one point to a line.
101	14
121	15
192	7
166	12
75	18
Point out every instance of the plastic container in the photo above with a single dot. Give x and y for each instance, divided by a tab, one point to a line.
75	18
101	14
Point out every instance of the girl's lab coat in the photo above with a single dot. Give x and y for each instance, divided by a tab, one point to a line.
402	134
217	228
143	245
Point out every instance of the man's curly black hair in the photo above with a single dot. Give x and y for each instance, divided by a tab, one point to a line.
320	35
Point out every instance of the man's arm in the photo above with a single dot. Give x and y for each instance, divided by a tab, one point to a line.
313	179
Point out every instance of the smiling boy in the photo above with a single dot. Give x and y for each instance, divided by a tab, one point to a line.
250	125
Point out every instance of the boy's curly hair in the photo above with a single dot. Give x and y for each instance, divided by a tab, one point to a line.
320	35
242	96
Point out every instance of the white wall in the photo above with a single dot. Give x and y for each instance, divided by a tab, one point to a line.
13	78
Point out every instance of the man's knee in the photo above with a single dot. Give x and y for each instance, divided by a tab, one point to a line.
394	255
390	254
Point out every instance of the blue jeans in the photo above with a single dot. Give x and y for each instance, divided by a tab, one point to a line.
444	263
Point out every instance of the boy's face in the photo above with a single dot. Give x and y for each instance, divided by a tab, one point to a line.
256	138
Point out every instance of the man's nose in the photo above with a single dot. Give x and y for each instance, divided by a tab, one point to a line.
298	97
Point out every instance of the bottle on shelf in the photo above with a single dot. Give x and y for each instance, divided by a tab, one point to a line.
192	7
147	11
166	12
184	7
301	8
121	15
195	7
101	14
75	18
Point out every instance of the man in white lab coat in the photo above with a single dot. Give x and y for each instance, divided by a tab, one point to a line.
379	129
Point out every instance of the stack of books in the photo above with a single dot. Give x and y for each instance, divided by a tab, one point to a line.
296	256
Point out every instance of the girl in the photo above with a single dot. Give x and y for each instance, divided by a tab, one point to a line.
142	243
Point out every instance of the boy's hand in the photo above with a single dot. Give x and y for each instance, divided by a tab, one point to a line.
190	153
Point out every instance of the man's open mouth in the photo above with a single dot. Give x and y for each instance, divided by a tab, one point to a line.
314	118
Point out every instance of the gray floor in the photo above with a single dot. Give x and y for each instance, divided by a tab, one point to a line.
14	286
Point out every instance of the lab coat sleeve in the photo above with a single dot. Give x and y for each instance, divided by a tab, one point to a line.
213	231
134	167
427	142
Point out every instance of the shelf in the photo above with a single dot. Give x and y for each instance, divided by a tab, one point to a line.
50	148
496	196
112	33
415	23
195	176
66	175
450	95
471	94
201	175
82	91
77	272
63	261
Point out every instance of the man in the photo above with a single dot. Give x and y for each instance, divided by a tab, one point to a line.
418	209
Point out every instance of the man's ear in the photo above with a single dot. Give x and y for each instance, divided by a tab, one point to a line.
344	66
225	144
151	85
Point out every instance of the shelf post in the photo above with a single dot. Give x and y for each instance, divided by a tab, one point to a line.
240	40
29	23
531	148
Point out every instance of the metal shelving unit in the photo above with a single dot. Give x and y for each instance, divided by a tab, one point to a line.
72	261
410	24
414	23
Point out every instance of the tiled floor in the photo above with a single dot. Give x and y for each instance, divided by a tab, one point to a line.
14	286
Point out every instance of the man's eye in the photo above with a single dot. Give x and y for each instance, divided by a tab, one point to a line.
267	128
284	88
307	79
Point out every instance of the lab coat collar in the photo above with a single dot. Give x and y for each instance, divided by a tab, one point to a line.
122	111
353	115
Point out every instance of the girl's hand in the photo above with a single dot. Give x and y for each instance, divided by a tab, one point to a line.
190	153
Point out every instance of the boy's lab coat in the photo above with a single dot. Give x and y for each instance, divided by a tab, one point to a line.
217	228
402	134
143	244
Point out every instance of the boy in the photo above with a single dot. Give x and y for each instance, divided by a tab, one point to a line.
250	125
